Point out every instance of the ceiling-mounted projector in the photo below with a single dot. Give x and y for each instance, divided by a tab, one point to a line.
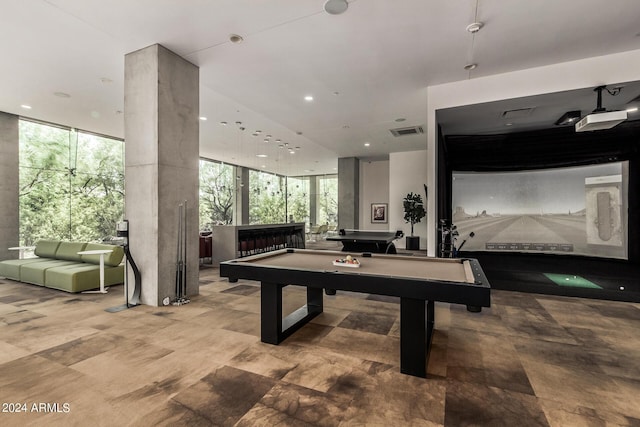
600	118
600	121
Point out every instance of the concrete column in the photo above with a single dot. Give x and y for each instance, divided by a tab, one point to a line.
161	166
9	185
348	192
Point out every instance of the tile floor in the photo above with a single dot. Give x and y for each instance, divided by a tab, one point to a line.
529	360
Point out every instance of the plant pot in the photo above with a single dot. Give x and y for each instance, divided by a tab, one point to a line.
413	243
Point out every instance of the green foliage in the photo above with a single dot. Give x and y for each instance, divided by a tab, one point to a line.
71	184
266	198
413	209
298	198
217	190
328	199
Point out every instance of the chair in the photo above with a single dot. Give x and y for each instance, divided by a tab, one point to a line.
319	230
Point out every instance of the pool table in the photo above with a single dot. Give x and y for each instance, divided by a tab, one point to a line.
418	281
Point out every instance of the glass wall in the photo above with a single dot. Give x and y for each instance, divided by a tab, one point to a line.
71	184
327	200
266	198
298	202
217	191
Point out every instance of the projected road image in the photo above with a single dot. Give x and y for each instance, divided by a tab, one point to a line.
569	211
531	233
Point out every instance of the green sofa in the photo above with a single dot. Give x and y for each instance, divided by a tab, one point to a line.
58	265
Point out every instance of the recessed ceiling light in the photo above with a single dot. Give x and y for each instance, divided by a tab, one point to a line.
234	38
366	144
261	155
266	140
400	119
62	95
335	7
474	27
308	98
345	126
26	107
632	109
292	152
278	140
263	166
258	131
470	66
203	118
336	93
106	80
508	124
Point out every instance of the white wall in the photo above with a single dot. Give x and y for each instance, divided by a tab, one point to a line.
407	174
591	72
374	188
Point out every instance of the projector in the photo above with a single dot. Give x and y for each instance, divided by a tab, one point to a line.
600	121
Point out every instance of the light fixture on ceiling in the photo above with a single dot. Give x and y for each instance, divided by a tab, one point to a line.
308	98
470	67
474	27
632	109
366	144
600	118
234	38
26	107
203	118
568	118
336	7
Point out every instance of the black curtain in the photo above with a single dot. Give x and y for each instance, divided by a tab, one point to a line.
444	177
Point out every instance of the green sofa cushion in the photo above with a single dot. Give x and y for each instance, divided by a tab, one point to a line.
68	251
11	268
46	248
112	259
79	277
34	272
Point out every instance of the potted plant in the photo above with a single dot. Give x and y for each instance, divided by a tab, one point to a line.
413	213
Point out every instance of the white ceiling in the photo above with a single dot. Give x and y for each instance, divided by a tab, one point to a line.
365	68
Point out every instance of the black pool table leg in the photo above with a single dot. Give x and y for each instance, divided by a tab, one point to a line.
416	331
273	328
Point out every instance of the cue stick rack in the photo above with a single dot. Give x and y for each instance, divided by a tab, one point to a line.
181	258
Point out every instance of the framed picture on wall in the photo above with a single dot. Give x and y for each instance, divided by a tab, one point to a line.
379	212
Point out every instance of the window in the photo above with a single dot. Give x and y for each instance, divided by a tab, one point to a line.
298	199
217	191
328	199
71	184
266	198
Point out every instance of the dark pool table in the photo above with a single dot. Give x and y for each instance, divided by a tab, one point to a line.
418	281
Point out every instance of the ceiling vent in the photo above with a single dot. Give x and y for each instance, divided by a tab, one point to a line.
412	130
518	113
